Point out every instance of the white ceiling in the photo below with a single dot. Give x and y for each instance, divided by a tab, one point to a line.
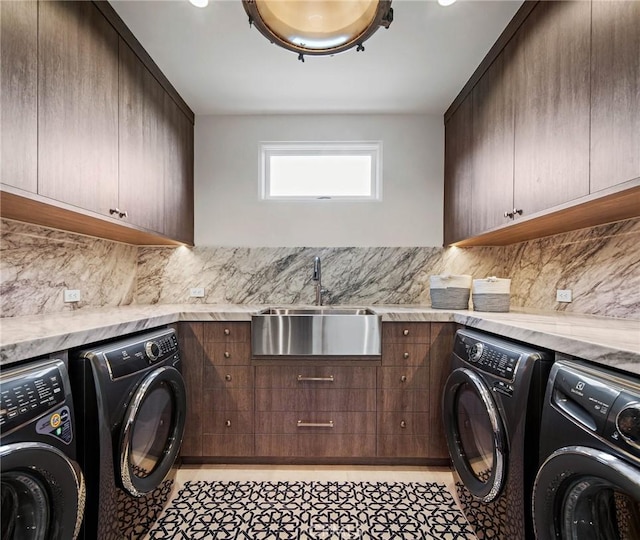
221	66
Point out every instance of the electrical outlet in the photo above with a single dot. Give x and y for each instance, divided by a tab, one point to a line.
563	295
196	292
72	295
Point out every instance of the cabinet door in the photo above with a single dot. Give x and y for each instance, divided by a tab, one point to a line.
615	93
178	163
77	106
552	106
493	124
141	175
18	94
458	168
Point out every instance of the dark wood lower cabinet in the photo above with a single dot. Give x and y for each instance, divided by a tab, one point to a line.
300	411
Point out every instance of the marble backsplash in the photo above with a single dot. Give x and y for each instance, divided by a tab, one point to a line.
37	264
601	265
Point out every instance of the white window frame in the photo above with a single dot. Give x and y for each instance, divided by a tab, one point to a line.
331	148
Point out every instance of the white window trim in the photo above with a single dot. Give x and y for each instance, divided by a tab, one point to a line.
318	148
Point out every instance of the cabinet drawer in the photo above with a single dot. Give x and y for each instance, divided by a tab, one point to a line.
315	377
228	332
410	332
407	446
403	423
406	378
226	399
228	376
228	353
227	445
315	399
316	445
405	354
341	422
228	422
403	400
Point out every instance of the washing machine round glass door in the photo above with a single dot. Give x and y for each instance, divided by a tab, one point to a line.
475	434
152	431
42	493
585	494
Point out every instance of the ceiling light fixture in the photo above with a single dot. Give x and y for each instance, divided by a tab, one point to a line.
446	2
318	27
200	3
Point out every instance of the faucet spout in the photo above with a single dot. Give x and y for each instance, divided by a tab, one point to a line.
317	277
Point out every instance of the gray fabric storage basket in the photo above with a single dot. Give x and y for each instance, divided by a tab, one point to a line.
450	298
491	294
450	291
491	302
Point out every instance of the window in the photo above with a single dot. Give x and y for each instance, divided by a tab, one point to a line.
324	170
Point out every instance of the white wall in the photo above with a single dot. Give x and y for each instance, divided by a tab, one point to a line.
228	211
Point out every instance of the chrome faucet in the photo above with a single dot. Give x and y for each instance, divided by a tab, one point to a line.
317	277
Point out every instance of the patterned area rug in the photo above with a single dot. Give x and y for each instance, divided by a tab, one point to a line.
312	510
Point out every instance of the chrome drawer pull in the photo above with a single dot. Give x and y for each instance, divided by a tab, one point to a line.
227	377
227	354
328	424
403	424
405	355
228	423
405	332
403	378
227	331
322	379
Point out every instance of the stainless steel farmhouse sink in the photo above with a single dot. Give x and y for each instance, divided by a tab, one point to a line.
315	331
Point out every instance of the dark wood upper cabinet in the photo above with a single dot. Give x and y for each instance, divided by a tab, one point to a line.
493	138
77	106
552	106
458	167
18	94
615	93
141	141
178	167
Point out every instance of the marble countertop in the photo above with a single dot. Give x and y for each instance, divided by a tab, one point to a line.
608	341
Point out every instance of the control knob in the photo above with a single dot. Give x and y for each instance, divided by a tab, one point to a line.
628	424
475	353
152	349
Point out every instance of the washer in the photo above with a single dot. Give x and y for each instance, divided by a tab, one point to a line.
42	485
588	486
131	403
492	404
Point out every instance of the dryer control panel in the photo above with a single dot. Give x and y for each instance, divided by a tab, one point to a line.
603	402
28	393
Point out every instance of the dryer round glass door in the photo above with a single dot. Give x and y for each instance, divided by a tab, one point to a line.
152	431
475	434
42	493
586	494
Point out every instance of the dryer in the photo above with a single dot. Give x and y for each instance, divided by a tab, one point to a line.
588	486
492	403
131	403
42	485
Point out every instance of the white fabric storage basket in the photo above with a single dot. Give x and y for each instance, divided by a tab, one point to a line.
491	294
450	291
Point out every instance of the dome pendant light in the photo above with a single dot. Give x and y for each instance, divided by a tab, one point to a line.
318	27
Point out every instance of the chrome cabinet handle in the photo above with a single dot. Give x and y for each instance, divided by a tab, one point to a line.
301	378
227	354
123	214
517	212
328	424
403	424
227	331
405	355
508	214
227	377
227	423
403	378
405	332
114	211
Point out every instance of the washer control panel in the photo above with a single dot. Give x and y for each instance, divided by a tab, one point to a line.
489	357
27	393
138	353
